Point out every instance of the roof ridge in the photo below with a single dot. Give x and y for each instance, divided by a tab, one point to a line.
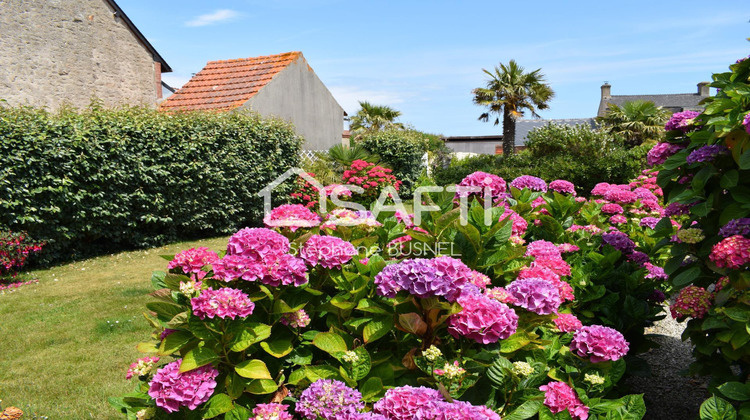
236	60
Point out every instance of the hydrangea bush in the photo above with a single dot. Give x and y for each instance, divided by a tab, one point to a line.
705	174
378	318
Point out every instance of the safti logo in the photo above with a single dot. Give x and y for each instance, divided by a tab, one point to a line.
387	194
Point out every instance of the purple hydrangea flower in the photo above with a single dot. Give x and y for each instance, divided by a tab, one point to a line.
736	227
171	389
619	241
408	403
599	343
563	187
661	152
677	209
443	276
746	123
682	121
650	222
543	250
655	272
536	295
531	182
482	319
706	153
329	399
638	257
222	303
461	410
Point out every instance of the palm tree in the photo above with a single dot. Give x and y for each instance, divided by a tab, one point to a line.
374	118
510	91
635	121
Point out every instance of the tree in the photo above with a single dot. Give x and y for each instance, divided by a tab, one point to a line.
374	118
510	91
635	121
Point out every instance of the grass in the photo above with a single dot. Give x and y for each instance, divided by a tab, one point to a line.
66	342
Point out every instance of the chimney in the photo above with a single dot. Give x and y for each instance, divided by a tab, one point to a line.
703	89
606	91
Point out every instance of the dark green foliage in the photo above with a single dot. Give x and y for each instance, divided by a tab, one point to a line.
103	180
578	154
401	150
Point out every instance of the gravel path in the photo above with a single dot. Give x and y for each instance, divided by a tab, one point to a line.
668	394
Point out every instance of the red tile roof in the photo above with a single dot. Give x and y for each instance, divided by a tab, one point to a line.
227	84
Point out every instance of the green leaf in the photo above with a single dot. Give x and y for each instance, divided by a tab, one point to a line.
526	410
254	333
730	179
737	313
164	311
217	405
745	160
235	385
174	342
716	408
371	389
314	373
377	328
514	342
412	323
262	386
368	305
329	342
238	413
199	356
278	347
253	369
735	391
686	277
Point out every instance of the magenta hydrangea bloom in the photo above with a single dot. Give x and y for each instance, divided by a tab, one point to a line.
568	247
678	209
544	273
271	411
478	279
519	223
462	410
706	153
731	252
327	251
600	188
285	270
222	303
639	258
563	187
655	272
567	322
329	399
293	216
531	182
259	244
482	319
557	265
559	396
650	222
233	267
193	260
661	152
612	208
693	302
141	367
746	123
620	194
298	319
171	389
536	295
408	403
599	343
542	249
645	194
618	219
682	121
736	227
443	276
491	183
453	271
619	241
500	295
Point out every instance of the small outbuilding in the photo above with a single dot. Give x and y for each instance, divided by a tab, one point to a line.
672	102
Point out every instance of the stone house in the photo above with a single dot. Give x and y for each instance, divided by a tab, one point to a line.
281	85
62	51
673	102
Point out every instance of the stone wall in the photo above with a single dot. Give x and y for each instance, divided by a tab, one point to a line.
70	51
296	94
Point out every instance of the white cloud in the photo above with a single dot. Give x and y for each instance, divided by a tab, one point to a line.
220	15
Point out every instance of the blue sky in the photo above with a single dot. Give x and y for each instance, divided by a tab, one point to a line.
424	58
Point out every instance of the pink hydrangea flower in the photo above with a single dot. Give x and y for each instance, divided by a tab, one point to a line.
482	319
293	216
559	396
612	208
141	367
620	194
327	251
222	303
285	270
408	403
567	322
531	182
563	187
682	121
461	410
567	247
659	153
544	273
731	252
746	123
258	244
693	302
489	183
298	319
193	260
171	389
500	295
478	279
543	250
599	343
519	223
618	219
271	411
233	267
655	272
536	295
557	265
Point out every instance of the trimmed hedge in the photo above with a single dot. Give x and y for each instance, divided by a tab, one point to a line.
577	154
401	150
101	180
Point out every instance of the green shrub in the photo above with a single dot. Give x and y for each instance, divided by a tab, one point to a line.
103	180
578	154
401	150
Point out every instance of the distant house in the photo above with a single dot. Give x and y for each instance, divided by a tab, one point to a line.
493	145
55	52
281	85
673	102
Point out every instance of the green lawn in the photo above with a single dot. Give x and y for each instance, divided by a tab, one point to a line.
66	342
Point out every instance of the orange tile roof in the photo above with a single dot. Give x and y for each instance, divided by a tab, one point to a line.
227	84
